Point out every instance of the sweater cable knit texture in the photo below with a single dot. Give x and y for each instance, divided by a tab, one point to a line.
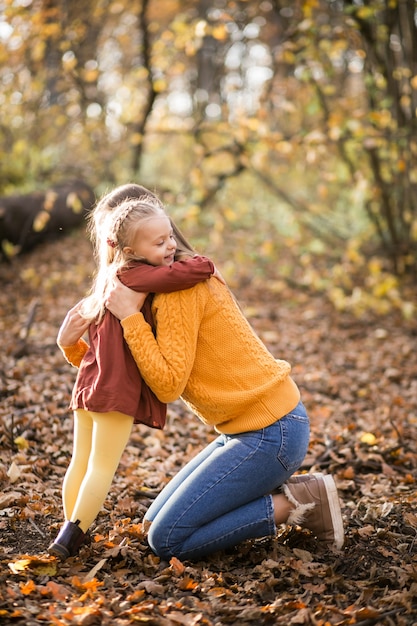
207	353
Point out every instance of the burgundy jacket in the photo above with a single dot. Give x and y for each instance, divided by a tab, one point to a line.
108	378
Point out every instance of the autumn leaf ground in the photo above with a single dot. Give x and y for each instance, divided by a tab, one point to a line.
359	381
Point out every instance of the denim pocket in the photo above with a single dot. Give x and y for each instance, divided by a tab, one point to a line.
295	437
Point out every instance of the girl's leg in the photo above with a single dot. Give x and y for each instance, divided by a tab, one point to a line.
110	434
224	500
83	429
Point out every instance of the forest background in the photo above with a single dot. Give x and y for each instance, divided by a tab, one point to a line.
281	135
263	125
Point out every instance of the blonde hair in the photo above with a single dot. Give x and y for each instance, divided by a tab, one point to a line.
112	226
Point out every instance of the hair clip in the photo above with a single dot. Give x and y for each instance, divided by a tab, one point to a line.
111	243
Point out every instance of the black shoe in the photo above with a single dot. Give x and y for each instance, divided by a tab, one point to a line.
68	541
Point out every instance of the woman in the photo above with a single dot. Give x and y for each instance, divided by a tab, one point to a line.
239	487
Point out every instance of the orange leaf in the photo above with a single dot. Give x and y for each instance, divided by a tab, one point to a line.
56	591
348	473
218	592
136	596
86	585
187	583
27	588
177	566
367	612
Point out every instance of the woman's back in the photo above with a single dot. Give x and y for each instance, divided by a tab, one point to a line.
207	352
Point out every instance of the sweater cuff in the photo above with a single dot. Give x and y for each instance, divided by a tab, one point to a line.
132	321
74	354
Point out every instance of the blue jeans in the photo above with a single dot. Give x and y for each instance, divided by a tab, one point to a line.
221	497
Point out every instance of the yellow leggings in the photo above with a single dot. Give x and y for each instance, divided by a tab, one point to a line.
99	441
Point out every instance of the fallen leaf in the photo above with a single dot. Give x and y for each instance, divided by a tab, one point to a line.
176	565
13	498
42	566
28	587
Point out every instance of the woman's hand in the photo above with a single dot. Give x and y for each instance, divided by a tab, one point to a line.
73	327
122	301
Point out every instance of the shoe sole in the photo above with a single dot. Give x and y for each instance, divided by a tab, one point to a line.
59	551
335	512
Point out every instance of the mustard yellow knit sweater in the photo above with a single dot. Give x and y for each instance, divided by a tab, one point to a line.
207	353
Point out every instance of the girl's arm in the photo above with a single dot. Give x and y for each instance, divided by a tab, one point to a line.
70	334
165	279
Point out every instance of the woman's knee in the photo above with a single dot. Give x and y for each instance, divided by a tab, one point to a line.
157	539
165	541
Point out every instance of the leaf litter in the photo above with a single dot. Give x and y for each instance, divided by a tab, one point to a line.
359	382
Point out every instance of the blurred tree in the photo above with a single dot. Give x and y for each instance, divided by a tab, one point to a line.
285	118
370	52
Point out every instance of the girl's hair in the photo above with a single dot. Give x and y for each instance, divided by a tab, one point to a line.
112	226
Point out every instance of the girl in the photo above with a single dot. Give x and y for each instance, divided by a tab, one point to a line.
134	239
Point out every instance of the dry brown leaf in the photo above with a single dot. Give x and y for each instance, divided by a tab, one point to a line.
13	498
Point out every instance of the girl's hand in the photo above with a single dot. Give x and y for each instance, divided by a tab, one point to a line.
122	301
73	327
218	275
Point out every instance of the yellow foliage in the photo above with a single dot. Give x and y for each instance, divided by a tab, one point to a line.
9	249
230	214
69	63
387	286
141	73
382	119
51	30
167	36
368	438
160	84
284	147
74	203
30	276
40	221
50	199
374	266
220	32
136	139
354	255
365	13
21	443
61	119
287	56
42	566
90	75
196	177
252	123
20	147
267	248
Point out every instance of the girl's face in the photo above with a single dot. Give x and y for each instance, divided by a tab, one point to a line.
154	241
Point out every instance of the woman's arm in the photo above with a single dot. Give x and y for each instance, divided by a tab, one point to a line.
166	362
123	301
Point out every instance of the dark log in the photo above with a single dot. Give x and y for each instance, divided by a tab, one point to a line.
30	219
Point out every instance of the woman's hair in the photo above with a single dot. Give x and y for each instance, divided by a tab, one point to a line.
112	226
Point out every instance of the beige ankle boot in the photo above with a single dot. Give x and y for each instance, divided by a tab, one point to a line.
317	507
